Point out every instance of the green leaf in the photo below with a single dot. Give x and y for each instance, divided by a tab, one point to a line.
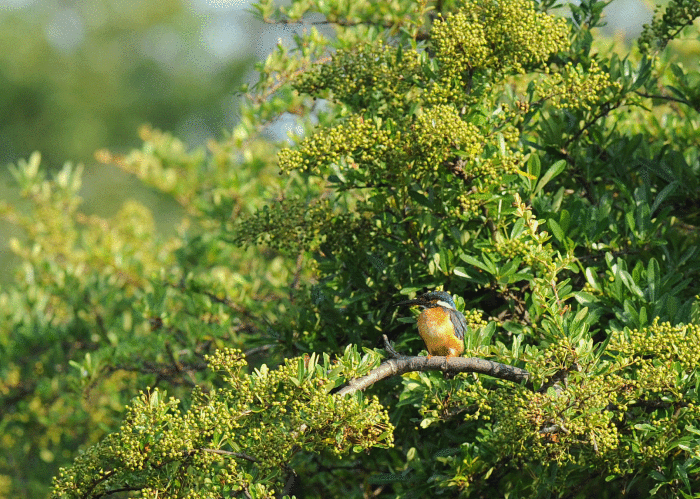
518	228
534	167
657	476
556	230
420	198
551	173
642	74
645	427
154	399
584	298
629	282
486	266
564	220
592	278
665	192
653	279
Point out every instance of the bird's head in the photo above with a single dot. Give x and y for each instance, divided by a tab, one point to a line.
431	299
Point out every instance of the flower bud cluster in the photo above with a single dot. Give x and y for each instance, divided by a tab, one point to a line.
369	77
497	35
575	87
665	27
236	437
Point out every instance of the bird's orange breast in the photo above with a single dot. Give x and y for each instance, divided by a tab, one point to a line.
438	333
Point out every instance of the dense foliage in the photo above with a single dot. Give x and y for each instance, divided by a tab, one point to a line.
492	149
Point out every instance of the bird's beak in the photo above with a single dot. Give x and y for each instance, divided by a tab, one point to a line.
415	301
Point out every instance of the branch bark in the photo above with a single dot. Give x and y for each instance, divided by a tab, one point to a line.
402	364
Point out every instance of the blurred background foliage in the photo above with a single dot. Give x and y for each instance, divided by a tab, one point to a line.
83	75
76	77
80	76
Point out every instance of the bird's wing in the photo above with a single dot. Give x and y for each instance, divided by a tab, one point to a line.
459	323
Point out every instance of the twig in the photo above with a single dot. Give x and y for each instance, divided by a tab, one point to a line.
289	482
663	97
240	455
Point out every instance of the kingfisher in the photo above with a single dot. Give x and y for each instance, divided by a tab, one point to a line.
440	324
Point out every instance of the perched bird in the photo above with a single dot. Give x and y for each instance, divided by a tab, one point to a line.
440	324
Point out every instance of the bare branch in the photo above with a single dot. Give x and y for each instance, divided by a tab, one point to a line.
450	365
292	476
664	97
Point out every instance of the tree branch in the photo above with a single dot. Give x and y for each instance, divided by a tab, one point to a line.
664	97
222	452
402	364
